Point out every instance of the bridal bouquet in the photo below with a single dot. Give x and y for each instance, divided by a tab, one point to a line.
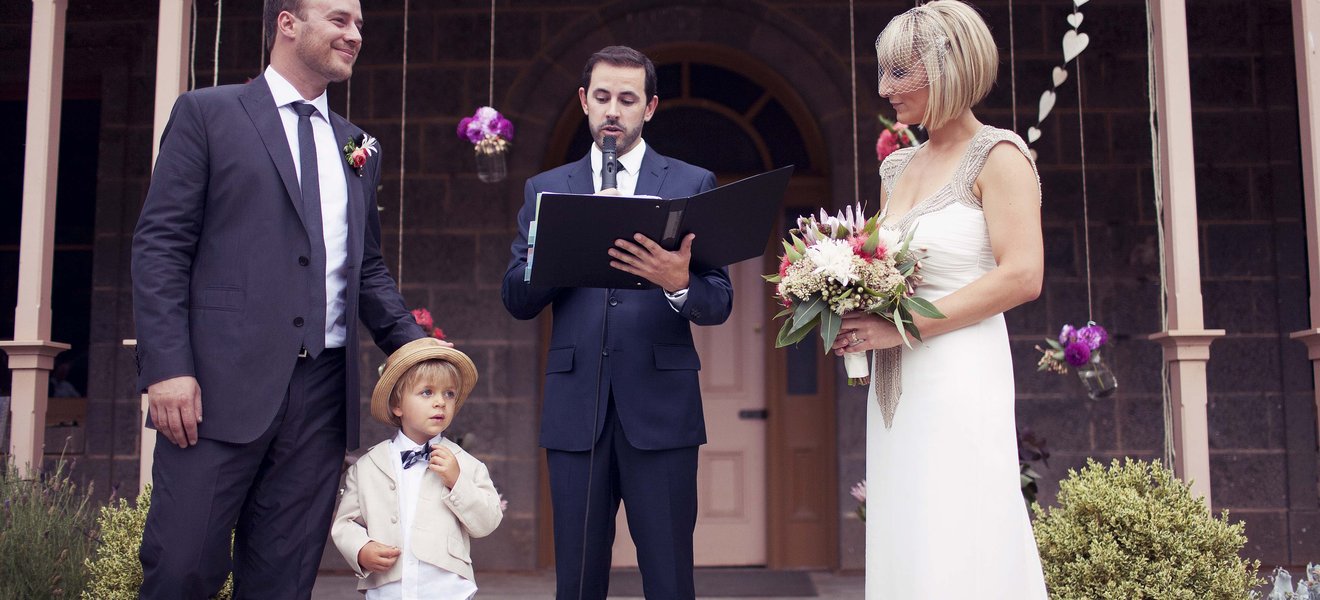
833	265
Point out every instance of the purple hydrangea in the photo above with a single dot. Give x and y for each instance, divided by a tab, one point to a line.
484	123
1067	335
1077	353
1093	335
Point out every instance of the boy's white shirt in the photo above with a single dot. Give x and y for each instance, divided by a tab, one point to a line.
437	535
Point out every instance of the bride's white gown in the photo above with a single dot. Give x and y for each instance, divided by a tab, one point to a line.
945	513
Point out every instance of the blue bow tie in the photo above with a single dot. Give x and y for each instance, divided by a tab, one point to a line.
412	457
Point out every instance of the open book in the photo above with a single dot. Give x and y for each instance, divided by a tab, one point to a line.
569	239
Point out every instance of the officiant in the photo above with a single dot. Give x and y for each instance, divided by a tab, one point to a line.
622	417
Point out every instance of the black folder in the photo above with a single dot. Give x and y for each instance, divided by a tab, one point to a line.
573	232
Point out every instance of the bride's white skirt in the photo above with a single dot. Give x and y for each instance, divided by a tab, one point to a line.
945	515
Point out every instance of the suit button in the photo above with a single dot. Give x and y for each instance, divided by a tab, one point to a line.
297	321
614	301
394	519
302	261
391	485
605	352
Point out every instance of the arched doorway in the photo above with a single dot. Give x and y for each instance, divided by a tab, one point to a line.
767	475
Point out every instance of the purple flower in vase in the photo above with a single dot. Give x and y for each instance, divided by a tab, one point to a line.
1093	335
1077	353
1067	335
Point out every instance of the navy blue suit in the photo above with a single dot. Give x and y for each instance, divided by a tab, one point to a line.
222	282
636	399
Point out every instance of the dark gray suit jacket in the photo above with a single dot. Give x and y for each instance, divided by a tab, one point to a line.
221	275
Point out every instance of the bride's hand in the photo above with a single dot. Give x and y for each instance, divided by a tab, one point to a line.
864	331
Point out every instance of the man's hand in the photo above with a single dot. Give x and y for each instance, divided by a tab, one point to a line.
175	406
445	464
376	557
646	259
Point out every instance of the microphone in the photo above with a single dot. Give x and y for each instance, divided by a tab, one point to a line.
609	166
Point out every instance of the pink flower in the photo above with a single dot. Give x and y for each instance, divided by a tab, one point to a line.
859	491
423	318
886	144
783	267
358	158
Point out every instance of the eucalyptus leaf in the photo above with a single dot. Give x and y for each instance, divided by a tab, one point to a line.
805	313
830	323
924	308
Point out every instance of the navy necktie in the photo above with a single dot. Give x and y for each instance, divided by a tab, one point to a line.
412	457
314	339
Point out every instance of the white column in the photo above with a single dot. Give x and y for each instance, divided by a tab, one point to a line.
1306	28
1187	342
31	353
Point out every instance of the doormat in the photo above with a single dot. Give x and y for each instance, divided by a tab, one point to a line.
726	583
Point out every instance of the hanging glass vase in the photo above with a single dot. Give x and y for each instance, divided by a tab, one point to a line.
491	166
1098	379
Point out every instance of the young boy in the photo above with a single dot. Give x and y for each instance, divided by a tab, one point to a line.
411	504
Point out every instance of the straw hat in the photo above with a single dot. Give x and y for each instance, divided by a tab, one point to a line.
412	353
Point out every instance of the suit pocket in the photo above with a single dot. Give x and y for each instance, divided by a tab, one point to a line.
219	297
458	548
673	357
559	360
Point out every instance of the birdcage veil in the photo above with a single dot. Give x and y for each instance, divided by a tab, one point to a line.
911	52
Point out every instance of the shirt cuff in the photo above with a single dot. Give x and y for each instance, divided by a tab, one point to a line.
677	299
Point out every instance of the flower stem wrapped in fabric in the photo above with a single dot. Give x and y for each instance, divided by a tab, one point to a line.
833	265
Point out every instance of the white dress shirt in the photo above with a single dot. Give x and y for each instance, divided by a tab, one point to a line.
334	197
421	580
630	165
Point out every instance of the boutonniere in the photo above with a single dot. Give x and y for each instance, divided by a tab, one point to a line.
356	151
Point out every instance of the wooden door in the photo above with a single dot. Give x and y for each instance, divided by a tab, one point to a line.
731	485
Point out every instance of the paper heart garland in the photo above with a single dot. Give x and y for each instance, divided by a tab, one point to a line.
1046	105
1033	134
1079	3
1075	20
1073	44
1060	76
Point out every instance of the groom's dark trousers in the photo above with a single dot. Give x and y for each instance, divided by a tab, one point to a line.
227	262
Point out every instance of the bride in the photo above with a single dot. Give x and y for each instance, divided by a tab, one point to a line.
945	511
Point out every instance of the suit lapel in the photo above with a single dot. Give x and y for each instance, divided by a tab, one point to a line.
356	200
260	106
652	173
579	178
379	457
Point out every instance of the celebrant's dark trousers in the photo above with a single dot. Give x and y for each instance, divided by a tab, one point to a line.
275	494
659	492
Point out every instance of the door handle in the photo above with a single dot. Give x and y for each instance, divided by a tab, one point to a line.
754	414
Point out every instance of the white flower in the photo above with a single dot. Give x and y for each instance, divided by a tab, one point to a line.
890	240
834	258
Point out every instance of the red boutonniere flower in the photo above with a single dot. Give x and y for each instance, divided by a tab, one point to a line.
424	319
357	150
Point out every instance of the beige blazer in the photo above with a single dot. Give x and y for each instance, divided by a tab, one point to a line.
444	523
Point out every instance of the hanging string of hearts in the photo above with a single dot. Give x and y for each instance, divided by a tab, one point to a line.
1074	42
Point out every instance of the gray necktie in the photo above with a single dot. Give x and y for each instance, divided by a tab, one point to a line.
314	339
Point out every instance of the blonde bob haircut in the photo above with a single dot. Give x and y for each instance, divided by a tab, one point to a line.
954	46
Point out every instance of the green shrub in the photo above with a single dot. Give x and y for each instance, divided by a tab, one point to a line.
45	534
1134	531
116	572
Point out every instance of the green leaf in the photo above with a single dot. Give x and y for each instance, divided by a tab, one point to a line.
805	313
800	245
783	313
789	335
872	241
791	252
924	307
775	278
830	323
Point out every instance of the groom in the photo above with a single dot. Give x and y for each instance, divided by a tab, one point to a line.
257	250
622	415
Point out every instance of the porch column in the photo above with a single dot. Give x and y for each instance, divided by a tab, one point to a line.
1306	26
171	80
1186	342
32	353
